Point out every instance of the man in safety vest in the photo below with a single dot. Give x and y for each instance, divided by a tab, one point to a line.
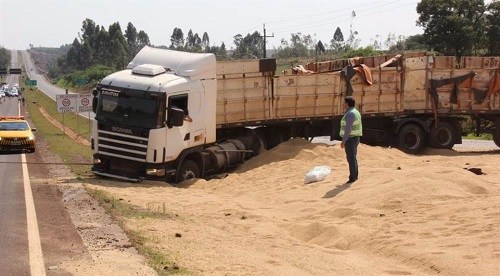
351	129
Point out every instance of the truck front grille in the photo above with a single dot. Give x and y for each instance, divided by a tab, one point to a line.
122	145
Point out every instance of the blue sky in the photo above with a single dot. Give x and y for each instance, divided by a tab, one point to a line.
52	23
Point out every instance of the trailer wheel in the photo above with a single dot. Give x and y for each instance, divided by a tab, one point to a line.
496	133
411	139
443	136
189	169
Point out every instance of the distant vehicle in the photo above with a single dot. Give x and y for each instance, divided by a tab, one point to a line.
13	92
16	134
2	93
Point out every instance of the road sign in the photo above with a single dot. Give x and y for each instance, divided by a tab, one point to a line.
82	81
84	103
74	103
15	71
66	103
30	82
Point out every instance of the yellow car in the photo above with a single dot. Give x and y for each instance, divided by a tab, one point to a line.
16	134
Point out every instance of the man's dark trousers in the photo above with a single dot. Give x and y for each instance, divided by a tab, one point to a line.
351	150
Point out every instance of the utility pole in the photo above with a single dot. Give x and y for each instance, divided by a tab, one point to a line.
264	36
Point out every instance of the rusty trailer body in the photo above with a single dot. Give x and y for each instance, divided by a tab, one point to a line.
417	89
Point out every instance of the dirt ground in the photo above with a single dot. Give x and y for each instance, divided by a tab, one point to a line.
435	213
108	249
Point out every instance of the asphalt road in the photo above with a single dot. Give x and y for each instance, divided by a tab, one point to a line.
467	144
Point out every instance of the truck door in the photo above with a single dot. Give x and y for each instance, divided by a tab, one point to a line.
192	131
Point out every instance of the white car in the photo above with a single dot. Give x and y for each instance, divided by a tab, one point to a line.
13	92
2	93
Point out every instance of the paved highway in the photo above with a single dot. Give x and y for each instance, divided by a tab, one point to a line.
43	85
36	231
32	72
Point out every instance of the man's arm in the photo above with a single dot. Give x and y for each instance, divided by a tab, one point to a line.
349	121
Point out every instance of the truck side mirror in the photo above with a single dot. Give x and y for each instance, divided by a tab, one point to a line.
175	117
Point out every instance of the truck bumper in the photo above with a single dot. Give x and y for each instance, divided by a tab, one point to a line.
128	170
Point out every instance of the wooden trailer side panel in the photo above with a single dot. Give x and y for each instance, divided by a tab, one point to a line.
243	93
415	85
471	95
382	96
306	96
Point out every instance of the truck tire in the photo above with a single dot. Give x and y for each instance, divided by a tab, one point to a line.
411	139
189	169
496	133
443	136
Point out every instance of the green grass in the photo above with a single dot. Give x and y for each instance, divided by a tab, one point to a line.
71	152
482	136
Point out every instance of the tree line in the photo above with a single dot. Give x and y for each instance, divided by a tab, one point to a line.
5	58
459	27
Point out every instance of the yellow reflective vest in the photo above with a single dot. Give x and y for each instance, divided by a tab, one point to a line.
357	126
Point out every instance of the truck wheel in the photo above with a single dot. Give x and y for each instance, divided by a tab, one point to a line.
411	139
443	136
189	169
496	133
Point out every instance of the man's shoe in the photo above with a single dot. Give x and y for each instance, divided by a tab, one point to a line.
350	181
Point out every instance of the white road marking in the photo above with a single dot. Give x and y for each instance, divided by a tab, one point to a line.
37	265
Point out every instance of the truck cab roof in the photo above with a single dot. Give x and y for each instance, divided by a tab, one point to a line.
130	79
152	69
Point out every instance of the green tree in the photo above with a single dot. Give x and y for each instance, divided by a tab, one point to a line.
493	31
119	48
73	55
143	39
219	52
89	31
102	52
320	47
300	46
5	58
205	41
193	42
131	36
453	27
411	43
177	39
249	46
337	42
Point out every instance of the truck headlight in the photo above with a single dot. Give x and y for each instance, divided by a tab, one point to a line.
155	172
97	161
31	138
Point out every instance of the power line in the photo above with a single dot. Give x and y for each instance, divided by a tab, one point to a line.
313	23
320	14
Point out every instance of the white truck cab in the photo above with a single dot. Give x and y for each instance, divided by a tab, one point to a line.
140	129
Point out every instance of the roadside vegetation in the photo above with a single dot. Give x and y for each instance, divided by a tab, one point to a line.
77	156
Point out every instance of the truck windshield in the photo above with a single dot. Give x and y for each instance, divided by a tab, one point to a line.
131	108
